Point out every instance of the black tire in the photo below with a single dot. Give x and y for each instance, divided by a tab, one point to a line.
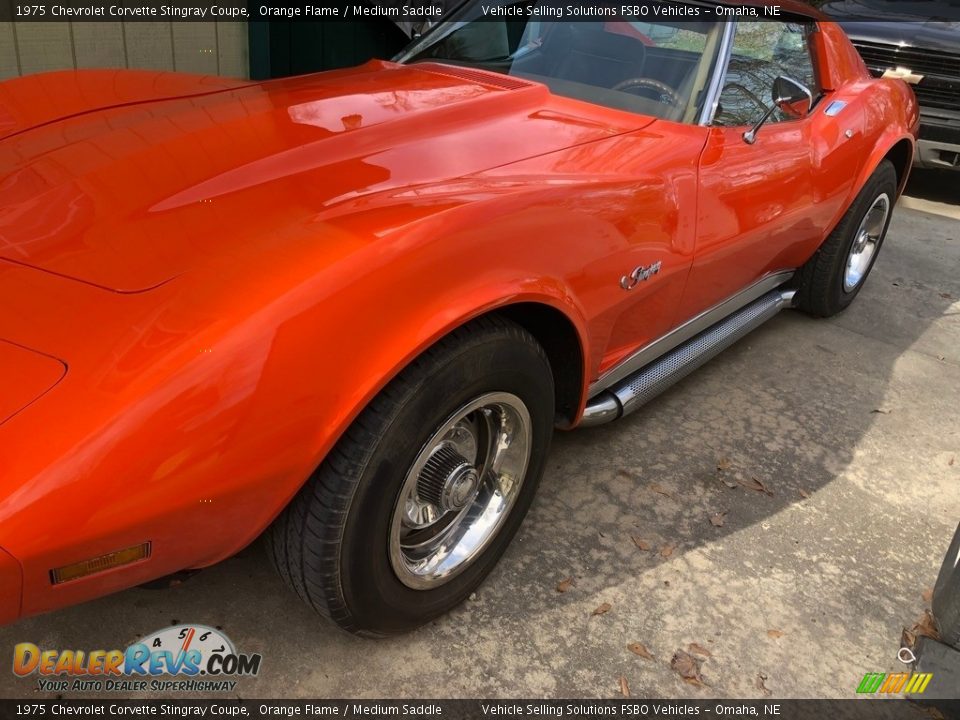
331	543
821	289
946	595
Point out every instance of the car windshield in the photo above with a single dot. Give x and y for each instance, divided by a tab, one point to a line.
654	68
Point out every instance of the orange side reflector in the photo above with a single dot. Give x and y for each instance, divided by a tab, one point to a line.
99	564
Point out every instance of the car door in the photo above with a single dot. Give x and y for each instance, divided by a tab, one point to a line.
756	202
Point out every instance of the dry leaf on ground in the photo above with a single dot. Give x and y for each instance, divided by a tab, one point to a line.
565	584
724	464
667	550
804	494
775	634
641	650
927	595
640	542
687	667
601	609
761	684
624	687
907	639
952	458
717	519
947	296
757	486
882	411
697	649
926	626
661	490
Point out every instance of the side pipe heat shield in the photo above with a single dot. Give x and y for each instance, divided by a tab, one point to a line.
649	381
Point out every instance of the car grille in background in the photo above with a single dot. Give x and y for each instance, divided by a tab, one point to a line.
940	87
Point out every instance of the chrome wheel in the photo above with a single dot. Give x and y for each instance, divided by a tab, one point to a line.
866	242
459	490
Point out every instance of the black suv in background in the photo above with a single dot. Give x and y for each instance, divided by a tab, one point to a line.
918	41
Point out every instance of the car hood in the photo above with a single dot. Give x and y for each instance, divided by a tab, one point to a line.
122	190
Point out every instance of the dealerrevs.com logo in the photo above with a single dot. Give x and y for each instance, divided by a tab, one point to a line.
190	657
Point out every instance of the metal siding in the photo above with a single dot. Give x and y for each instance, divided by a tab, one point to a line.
199	47
44	46
9	64
99	44
149	45
195	47
232	49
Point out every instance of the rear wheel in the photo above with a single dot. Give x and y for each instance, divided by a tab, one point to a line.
833	277
418	500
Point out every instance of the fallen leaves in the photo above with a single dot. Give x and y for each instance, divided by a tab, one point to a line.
761	684
565	584
927	595
641	650
756	485
602	609
947	296
717	519
661	490
881	411
776	634
724	464
698	649
624	687
804	494
687	667
640	542
667	550
926	626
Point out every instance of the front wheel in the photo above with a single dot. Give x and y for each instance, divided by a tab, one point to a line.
833	277
418	500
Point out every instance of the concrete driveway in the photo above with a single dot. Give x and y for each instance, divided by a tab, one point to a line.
840	447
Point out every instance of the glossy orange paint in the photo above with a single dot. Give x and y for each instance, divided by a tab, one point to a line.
230	273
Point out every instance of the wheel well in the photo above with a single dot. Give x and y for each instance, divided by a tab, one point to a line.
901	155
559	339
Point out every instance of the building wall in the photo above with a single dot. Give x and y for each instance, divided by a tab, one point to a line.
215	48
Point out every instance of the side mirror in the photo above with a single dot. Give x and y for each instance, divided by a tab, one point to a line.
791	98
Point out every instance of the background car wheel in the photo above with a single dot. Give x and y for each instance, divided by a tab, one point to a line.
833	277
946	595
422	494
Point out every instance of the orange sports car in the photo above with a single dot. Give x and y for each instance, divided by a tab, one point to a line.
347	310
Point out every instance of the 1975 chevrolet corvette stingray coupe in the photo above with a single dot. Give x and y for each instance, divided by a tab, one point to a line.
347	310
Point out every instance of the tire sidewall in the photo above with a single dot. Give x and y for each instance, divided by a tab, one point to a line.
882	182
378	600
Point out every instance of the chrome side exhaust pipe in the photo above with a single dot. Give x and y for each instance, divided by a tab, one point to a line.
638	389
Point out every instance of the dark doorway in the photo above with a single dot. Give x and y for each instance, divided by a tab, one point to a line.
279	48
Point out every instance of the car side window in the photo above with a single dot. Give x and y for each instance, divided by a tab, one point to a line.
762	51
